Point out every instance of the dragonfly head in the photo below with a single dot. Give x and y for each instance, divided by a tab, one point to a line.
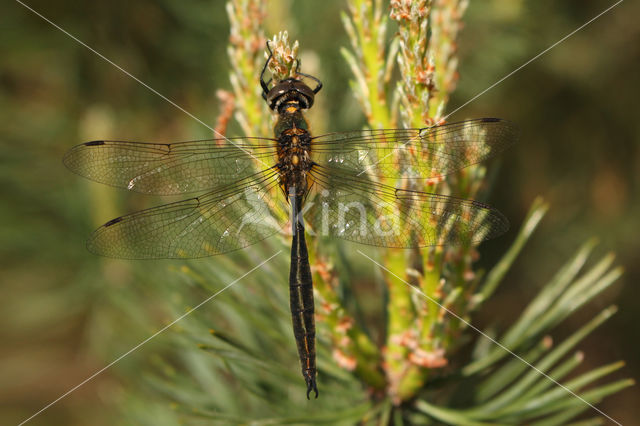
290	91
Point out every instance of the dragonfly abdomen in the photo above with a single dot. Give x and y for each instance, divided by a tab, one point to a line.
301	300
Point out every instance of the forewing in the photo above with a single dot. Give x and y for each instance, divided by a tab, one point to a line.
431	152
172	168
215	223
360	210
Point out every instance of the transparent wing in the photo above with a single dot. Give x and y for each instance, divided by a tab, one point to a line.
430	152
218	222
360	210
171	168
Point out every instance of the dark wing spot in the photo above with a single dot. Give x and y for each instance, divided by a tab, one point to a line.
490	120
481	205
113	221
94	143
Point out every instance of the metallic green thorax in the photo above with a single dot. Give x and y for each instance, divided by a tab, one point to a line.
287	120
294	149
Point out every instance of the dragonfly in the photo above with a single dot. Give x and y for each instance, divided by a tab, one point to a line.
362	186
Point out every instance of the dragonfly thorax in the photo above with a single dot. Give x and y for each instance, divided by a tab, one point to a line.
294	149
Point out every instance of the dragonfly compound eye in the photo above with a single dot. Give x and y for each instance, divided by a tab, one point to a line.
290	90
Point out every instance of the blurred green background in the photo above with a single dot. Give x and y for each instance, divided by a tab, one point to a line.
576	109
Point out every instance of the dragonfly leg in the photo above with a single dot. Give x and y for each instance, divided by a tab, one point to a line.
318	82
263	84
